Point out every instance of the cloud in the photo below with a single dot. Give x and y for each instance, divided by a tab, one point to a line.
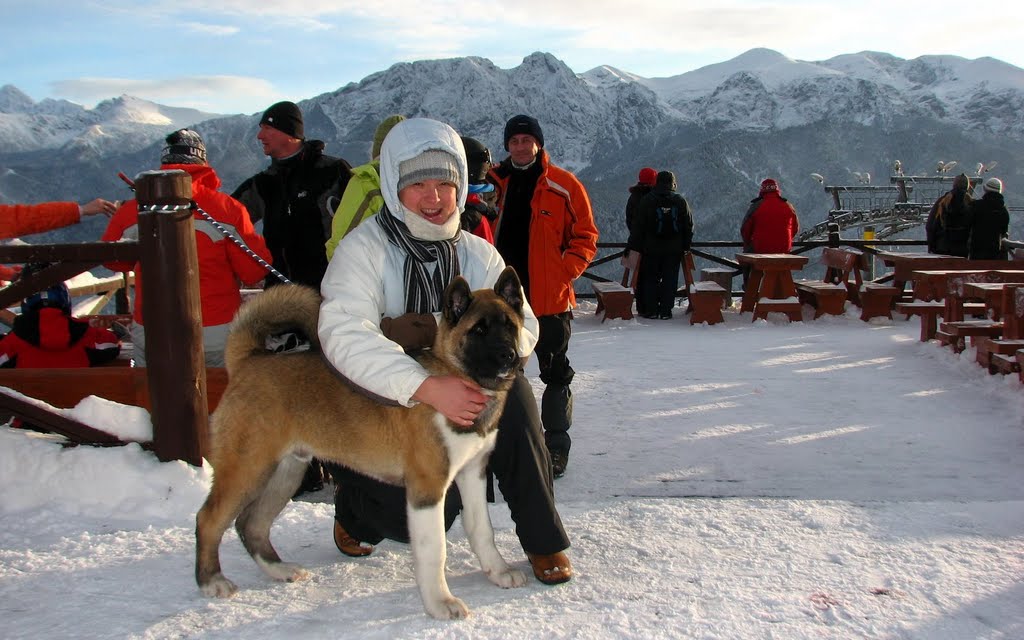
211	29
195	91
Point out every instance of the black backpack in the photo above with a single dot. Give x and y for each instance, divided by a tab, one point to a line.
668	221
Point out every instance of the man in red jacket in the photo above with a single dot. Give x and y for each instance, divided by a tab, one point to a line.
770	223
545	230
222	263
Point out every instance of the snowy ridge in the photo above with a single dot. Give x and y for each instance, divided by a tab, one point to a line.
125	123
721	128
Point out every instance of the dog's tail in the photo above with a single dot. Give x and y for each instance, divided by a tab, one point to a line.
280	309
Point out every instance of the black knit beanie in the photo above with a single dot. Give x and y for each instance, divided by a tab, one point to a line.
523	124
184	146
286	117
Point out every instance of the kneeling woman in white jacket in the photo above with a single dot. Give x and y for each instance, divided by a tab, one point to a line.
391	272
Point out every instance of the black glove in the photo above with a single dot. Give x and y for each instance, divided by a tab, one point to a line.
411	330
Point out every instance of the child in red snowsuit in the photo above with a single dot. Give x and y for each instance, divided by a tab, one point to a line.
46	335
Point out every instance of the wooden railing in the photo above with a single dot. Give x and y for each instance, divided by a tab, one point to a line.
717	252
175	383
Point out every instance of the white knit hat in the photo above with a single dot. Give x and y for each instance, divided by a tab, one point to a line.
432	164
994	185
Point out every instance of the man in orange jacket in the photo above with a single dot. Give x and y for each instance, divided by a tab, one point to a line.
545	230
222	263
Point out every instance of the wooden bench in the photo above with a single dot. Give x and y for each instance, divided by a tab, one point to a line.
722	276
615	299
929	312
828	295
955	333
955	330
65	388
1012	338
846	267
706	298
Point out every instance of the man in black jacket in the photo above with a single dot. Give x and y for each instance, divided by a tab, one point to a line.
292	195
296	197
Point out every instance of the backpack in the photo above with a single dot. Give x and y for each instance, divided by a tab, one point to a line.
668	221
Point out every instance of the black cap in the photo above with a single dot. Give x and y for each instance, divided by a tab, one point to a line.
286	117
184	146
478	157
523	124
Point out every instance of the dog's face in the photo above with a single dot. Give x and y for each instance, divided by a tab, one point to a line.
479	331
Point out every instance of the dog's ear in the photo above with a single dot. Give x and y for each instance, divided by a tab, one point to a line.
457	297
510	289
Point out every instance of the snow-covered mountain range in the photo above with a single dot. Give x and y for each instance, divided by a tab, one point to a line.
721	128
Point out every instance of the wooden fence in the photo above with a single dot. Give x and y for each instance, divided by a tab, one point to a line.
176	383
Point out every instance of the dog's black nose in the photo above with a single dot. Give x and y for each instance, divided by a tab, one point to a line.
507	355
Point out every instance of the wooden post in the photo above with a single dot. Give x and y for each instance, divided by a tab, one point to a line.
169	270
869	234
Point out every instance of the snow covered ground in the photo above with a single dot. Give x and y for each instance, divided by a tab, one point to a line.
824	479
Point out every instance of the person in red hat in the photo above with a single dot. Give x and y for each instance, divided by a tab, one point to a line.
770	223
644	185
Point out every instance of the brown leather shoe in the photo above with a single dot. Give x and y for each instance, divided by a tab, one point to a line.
349	545
551	569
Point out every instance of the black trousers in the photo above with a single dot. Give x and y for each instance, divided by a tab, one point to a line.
556	374
370	510
661	282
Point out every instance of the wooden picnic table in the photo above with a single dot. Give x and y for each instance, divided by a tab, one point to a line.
770	284
957	281
991	293
905	264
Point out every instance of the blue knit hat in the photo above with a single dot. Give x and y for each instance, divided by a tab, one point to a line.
56	295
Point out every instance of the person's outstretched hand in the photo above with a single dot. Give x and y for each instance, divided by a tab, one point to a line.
99	205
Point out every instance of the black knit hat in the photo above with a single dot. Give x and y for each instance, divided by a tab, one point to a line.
184	146
666	179
286	117
523	124
478	157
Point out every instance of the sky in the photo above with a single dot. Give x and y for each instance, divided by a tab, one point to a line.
827	479
239	56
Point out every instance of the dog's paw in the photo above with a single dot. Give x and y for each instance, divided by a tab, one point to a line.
218	587
286	572
507	578
450	608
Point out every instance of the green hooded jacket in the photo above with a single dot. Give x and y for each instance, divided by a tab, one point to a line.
361	200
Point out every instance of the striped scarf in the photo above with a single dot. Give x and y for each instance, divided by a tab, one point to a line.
423	290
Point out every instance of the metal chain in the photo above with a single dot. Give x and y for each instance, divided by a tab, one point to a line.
224	231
